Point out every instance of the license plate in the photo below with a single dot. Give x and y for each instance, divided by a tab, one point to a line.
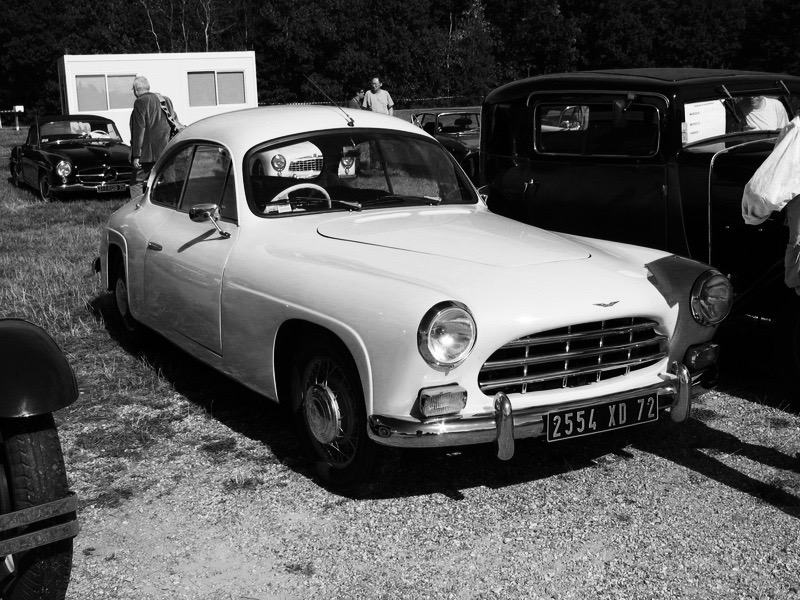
568	424
112	187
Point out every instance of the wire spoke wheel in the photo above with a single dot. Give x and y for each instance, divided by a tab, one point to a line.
330	415
330	411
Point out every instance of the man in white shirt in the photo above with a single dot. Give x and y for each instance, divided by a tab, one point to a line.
378	100
762	112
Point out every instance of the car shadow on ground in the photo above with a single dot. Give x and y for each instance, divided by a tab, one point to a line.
449	471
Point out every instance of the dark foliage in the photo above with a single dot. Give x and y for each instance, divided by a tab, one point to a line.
424	50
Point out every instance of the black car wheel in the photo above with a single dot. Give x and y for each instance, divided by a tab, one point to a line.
33	473
46	188
129	328
330	416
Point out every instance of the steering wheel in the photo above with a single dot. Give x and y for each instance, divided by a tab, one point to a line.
100	132
284	195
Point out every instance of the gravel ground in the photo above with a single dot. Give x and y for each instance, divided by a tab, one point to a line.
224	508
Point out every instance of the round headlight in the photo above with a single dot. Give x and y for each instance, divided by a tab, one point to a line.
278	162
446	335
64	168
712	298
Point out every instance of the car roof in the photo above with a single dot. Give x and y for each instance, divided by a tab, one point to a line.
56	118
243	129
665	80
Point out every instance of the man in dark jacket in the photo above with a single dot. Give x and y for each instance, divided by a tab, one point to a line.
150	132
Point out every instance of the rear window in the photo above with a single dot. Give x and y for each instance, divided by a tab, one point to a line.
597	129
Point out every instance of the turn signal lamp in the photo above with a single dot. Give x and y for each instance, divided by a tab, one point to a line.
442	400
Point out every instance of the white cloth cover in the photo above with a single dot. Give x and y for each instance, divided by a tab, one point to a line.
777	180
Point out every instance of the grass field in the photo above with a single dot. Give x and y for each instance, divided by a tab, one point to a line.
46	277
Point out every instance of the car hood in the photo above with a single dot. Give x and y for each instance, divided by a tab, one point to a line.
456	233
470	140
82	153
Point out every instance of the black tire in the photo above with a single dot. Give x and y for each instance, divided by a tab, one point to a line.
129	328
33	473
46	188
330	416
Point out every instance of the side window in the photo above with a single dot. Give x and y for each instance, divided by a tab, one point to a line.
207	180
601	129
169	182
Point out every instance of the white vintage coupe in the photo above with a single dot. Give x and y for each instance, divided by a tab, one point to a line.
342	263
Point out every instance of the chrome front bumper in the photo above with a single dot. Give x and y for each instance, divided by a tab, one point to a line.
504	425
81	187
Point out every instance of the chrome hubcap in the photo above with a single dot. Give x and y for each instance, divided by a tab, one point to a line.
322	413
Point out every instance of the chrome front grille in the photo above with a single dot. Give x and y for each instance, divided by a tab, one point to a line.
573	356
101	175
306	164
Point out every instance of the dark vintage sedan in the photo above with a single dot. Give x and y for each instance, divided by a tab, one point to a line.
654	157
458	130
72	153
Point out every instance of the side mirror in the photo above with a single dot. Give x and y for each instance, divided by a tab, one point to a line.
199	213
619	108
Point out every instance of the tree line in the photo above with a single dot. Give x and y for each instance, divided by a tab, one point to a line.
441	51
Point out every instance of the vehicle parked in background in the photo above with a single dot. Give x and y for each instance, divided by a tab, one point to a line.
656	157
390	308
37	510
458	130
72	153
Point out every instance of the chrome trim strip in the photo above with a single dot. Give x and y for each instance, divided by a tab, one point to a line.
533	340
573	354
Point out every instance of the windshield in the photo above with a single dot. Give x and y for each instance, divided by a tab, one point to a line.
63	131
714	118
353	170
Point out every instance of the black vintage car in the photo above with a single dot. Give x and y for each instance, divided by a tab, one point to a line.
456	129
655	157
72	153
37	511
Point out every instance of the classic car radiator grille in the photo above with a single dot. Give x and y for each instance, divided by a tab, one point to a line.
306	164
573	356
100	175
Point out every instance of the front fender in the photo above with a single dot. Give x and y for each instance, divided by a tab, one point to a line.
35	377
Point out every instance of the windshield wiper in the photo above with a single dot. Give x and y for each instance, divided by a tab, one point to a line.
301	200
401	199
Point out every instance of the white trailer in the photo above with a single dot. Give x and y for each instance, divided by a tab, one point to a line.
200	84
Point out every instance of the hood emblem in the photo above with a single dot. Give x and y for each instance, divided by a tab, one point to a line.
606	304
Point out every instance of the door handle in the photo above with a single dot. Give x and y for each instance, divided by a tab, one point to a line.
154	246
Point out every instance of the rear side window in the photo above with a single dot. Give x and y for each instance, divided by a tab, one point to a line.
600	129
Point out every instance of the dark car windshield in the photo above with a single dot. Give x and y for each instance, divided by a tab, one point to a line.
706	119
63	131
353	170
